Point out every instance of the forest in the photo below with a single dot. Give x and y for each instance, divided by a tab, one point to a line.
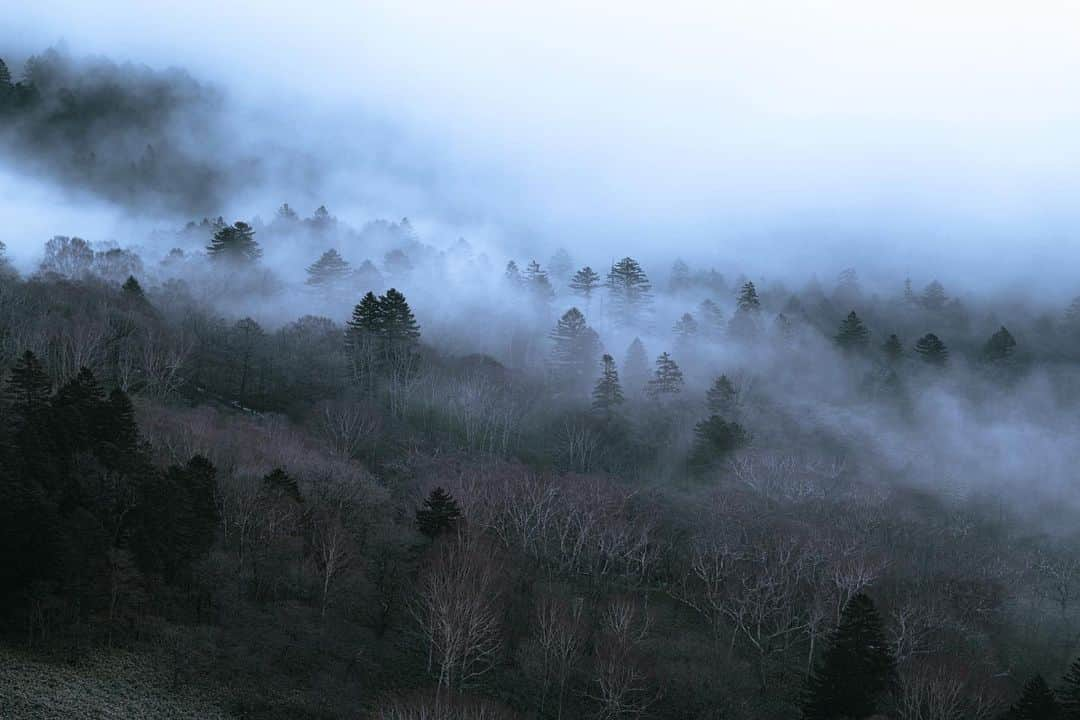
301	467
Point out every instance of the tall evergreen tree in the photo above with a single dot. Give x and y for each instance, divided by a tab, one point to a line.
630	290
932	350
748	298
439	513
855	670
667	378
722	398
131	289
608	394
575	347
712	318
537	282
1037	702
636	366
680	276
744	323
329	269
715	439
999	347
367	318
398	326
934	297
234	243
853	335
585	282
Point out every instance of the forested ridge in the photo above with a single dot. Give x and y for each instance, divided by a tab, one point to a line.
296	468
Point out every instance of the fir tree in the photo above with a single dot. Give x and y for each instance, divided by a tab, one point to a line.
712	318
853	335
1072	315
119	428
855	670
892	349
934	297
132	289
1037	702
397	326
438	514
329	269
1069	693
680	277
722	398
286	213
748	301
636	366
585	282
279	484
608	394
667	378
366	320
715	439
574	347
783	326
932	350
999	347
630	290
743	323
234	243
686	327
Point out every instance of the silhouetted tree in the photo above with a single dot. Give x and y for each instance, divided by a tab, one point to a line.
722	398
714	439
512	274
855	670
680	277
439	513
747	300
536	281
932	350
636	366
234	243
330	268
853	335
585	282
630	290
667	378
712	318
397	326
608	394
575	347
934	297
1000	346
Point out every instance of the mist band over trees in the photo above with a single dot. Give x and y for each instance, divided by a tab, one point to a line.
263	456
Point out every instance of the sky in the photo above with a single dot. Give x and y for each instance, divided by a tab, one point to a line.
790	134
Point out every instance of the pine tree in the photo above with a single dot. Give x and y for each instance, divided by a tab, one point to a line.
1037	702
279	484
999	347
748	301
667	378
366	321
132	289
686	327
636	366
234	243
630	290
934	297
536	281
438	514
329	269
855	670
398	326
608	394
286	213
715	439
397	264
1069	693
80	405
712	318
574	347
722	398
680	277
932	350
853	335
784	327
585	282
893	349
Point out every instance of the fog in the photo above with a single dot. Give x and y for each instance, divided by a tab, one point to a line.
775	134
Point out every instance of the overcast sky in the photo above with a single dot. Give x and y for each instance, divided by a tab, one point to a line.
904	133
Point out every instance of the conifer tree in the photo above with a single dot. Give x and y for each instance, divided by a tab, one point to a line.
234	243
329	269
686	327
80	405
279	484
712	318
119	428
783	326
575	347
439	513
748	301
585	282
1037	702
1069	693
397	326
853	335
667	378
537	282
680	276
934	297
999	347
722	398
714	439
932	350
132	289
397	264
909	295
286	213
847	286
743	323
366	320
608	394
855	670
630	290
892	349
636	366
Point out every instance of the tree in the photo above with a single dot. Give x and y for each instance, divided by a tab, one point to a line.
667	378
909	295
439	513
71	257
1070	692
714	439
934	297
329	269
132	289
1037	702
630	290
1000	346
234	243
712	318
748	301
856	668
853	335
367	318
847	287
536	281
286	213
892	349
680	276
561	264
397	264
512	274
574	347
685	328
585	282
398	327
932	350
636	366
722	398
608	393
744	323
